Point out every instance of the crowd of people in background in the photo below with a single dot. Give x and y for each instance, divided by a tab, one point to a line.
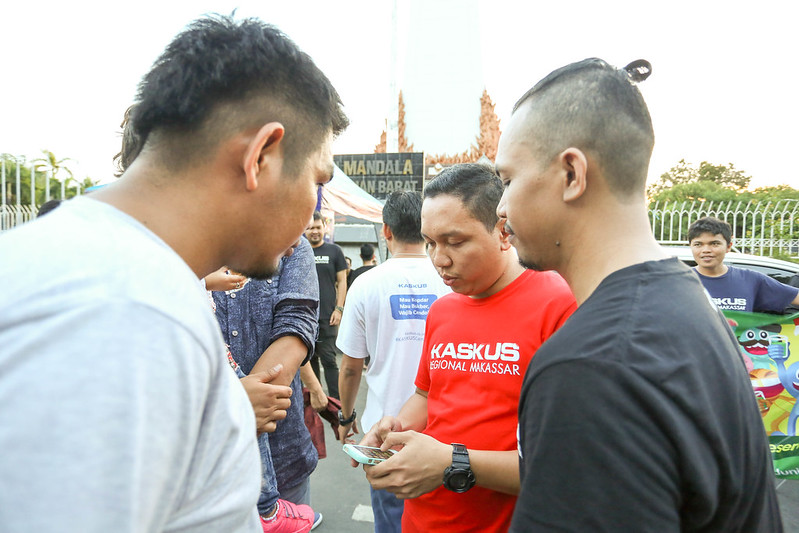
517	344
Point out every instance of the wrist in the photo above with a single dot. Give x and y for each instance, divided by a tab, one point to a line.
339	308
345	421
458	477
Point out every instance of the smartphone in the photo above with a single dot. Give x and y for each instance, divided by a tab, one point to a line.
367	454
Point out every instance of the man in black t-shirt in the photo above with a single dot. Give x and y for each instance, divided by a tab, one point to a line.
637	415
331	269
368	259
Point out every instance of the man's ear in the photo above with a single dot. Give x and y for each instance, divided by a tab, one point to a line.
729	246
504	236
387	232
262	149
574	166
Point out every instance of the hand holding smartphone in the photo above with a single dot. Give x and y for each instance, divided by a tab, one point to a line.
367	455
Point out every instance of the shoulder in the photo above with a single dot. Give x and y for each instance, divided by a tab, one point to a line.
303	255
546	278
334	248
448	302
335	252
368	274
744	274
369	281
546	285
91	252
736	272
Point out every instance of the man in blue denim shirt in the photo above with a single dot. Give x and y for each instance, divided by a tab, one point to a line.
265	323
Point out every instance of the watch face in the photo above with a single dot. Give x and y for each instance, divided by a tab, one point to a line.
459	480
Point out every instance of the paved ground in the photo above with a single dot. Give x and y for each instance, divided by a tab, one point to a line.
341	493
338	491
788	493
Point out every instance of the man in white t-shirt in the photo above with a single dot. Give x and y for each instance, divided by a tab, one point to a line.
120	411
384	319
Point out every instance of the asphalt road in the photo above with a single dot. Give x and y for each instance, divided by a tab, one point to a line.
788	494
341	493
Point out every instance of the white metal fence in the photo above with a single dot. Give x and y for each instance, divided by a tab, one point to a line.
14	215
12	211
760	228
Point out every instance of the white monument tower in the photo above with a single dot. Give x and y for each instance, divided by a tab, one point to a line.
437	64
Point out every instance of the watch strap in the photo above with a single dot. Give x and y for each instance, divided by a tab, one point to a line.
459	476
460	456
344	421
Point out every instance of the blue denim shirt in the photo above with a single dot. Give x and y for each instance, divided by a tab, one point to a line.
257	315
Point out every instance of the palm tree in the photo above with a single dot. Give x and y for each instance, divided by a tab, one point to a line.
54	168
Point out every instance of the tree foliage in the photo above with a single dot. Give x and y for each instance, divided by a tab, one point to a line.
721	190
716	183
683	173
62	183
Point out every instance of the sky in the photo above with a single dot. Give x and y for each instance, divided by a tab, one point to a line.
722	89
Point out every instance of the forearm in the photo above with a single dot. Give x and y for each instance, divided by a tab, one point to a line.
496	470
341	288
310	380
289	351
413	415
349	379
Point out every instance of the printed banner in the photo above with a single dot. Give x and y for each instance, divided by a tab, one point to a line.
770	349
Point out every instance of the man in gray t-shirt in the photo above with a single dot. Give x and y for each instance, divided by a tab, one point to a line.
120	411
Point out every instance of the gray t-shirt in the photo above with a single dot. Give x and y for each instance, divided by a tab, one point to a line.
119	409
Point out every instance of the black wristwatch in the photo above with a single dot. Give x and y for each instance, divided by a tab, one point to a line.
344	421
459	476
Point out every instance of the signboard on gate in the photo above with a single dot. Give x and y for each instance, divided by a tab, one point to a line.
381	174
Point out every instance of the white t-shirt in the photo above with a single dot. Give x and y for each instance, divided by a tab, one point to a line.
384	319
118	408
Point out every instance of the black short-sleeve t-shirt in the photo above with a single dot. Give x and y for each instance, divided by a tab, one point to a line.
637	415
329	261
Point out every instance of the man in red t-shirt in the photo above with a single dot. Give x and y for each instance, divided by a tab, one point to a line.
457	464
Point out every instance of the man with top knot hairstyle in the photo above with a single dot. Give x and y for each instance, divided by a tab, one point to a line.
638	414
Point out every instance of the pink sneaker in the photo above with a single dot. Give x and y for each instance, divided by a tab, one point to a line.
289	518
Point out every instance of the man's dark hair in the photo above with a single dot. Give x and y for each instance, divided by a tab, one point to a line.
131	144
711	225
596	108
367	252
48	206
476	186
402	213
317	215
221	76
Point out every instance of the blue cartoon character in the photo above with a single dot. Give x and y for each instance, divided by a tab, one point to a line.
779	351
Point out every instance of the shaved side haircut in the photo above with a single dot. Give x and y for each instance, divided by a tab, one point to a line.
598	109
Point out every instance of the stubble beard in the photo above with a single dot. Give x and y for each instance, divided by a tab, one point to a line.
260	273
530	265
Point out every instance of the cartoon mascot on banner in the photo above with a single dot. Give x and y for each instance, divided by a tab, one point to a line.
766	347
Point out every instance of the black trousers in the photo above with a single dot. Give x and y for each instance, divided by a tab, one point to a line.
326	352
